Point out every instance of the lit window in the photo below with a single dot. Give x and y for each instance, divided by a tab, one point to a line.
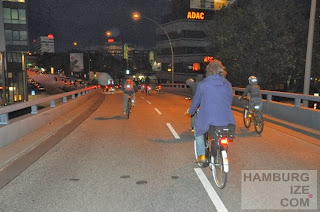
23	35
8	35
6	14
14	14
22	1
22	14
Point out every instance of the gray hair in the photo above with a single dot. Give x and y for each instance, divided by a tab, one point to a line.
215	67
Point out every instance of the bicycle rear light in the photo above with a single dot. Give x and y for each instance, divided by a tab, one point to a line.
225	140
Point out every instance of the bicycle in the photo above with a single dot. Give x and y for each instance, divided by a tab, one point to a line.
129	106
216	145
256	116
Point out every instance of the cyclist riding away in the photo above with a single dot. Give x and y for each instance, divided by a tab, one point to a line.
129	88
253	89
214	97
193	85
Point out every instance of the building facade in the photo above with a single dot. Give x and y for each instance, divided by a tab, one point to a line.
188	42
44	44
13	51
182	47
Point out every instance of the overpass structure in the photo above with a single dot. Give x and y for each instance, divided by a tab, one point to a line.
88	122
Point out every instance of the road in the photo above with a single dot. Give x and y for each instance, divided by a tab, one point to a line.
110	163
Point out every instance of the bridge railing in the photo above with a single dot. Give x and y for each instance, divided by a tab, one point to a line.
282	105
4	111
53	107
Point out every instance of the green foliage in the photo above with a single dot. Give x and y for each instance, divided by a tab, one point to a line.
263	38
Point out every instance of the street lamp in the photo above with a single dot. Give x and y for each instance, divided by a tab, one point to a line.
108	33
137	16
87	52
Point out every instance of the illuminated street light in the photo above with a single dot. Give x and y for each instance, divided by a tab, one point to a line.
136	16
108	33
75	43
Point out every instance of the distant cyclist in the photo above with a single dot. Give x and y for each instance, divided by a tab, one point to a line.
253	89
129	88
193	85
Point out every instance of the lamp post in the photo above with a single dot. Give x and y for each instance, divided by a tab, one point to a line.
307	73
75	44
137	16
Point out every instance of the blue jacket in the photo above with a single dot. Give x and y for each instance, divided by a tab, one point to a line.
214	96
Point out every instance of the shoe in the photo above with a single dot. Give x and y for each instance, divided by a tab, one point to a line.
201	159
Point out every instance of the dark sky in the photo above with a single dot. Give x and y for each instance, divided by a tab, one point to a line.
86	21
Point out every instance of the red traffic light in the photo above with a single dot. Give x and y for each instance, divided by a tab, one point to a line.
50	36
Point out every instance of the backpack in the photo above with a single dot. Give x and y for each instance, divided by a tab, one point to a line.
128	85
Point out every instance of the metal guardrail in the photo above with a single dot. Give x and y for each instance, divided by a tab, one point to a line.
4	111
297	98
282	105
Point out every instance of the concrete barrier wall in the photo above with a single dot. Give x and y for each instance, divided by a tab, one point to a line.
304	116
20	127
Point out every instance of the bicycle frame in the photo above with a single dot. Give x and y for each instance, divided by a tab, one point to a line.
129	106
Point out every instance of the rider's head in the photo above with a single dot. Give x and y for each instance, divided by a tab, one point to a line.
253	80
215	67
129	77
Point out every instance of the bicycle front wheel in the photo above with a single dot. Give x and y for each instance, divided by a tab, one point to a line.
246	118
218	170
258	122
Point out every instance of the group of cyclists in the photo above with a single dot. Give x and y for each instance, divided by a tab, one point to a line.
211	101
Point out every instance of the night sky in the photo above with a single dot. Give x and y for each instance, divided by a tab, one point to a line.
86	21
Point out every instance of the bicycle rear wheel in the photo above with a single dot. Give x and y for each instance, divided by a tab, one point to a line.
218	171
246	118
258	122
129	108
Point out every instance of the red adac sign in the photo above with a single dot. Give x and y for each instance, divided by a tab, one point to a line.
50	36
195	15
208	59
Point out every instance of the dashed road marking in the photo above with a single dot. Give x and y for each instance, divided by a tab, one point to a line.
149	102
175	134
158	111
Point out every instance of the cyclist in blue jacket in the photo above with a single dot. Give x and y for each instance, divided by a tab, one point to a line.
214	97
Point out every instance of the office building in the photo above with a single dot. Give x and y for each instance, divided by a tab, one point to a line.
182	44
44	44
13	51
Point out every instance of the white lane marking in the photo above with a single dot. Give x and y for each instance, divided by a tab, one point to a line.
149	102
210	190
142	97
173	131
158	111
